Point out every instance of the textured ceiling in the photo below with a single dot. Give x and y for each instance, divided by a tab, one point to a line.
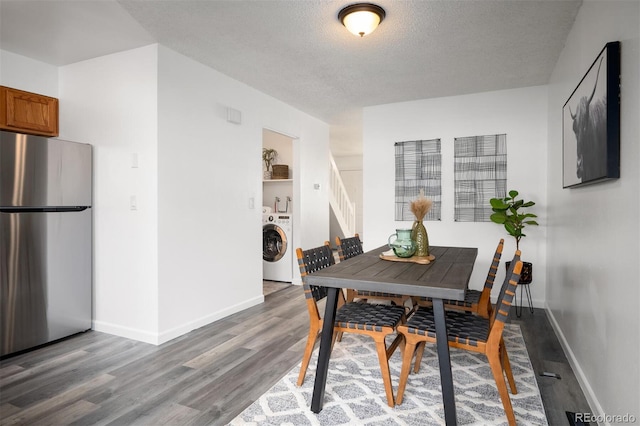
298	52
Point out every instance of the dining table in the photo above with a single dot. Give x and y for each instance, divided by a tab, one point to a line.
444	277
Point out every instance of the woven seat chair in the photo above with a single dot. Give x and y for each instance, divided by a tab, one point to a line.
469	332
475	301
351	247
376	321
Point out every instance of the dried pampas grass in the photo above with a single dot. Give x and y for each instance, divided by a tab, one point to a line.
421	206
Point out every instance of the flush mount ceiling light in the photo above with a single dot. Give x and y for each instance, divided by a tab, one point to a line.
361	18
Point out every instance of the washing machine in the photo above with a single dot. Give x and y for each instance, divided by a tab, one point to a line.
277	248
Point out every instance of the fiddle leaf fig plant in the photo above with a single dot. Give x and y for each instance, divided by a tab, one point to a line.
510	212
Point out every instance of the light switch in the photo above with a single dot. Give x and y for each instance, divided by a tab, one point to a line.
134	160
251	203
133	203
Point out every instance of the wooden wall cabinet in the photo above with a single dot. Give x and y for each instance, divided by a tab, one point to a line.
26	112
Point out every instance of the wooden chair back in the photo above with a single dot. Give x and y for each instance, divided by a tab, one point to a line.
352	247
374	320
475	301
349	247
310	261
505	298
483	307
471	332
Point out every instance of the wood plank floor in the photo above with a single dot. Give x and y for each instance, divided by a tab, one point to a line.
546	354
269	287
208	376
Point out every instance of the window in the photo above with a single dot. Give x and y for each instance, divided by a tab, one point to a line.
480	169
418	166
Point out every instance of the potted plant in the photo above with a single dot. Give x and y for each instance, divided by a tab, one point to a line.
269	155
510	212
506	212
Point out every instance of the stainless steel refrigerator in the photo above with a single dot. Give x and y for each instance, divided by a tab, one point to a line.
45	240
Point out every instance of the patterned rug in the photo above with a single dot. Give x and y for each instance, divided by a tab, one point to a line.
355	394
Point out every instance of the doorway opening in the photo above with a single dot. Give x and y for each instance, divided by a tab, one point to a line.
278	212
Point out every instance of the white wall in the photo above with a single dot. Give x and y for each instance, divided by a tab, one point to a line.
520	113
191	251
20	72
594	231
209	170
111	103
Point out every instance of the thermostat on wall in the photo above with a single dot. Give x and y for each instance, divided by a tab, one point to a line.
234	116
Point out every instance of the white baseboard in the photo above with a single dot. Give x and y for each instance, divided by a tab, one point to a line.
167	335
592	400
126	332
164	336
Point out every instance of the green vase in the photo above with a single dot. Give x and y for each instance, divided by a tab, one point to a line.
419	235
403	245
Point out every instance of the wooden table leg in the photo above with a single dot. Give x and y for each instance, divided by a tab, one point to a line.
325	349
446	378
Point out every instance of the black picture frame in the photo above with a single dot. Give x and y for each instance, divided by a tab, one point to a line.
591	123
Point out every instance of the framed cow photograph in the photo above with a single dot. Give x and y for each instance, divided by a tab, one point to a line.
591	123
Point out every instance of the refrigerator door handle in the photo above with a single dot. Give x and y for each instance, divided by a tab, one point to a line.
43	209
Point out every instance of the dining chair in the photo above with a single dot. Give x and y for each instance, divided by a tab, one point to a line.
474	300
351	247
376	321
468	332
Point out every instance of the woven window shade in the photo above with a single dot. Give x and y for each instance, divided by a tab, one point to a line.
480	173
418	166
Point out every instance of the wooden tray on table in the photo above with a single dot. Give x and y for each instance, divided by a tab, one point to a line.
423	260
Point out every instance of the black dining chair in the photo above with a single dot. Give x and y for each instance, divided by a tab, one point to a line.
351	247
468	332
376	321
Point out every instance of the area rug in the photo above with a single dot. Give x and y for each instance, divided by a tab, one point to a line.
354	394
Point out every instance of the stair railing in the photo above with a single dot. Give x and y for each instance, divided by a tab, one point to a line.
343	207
